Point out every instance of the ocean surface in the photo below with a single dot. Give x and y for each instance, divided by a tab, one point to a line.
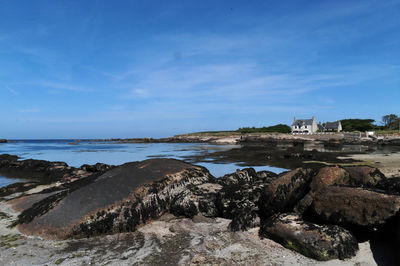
86	152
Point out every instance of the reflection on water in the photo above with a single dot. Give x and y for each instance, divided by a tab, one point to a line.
86	152
337	147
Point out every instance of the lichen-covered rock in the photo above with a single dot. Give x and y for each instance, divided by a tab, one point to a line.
353	206
283	193
196	199
116	201
321	242
238	199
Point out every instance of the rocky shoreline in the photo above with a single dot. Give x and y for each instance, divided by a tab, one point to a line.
323	213
332	139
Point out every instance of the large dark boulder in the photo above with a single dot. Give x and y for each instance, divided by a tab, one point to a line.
283	193
390	185
353	206
3	141
327	176
357	176
119	200
239	196
321	242
364	176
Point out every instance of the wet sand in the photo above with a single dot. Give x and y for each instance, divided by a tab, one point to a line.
388	163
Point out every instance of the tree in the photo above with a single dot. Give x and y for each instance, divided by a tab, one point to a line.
390	121
357	124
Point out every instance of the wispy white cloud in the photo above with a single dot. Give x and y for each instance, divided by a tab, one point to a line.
55	85
64	86
231	81
12	91
30	110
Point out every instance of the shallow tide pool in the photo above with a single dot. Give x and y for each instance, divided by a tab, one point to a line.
78	153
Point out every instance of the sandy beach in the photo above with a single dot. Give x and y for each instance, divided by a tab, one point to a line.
388	163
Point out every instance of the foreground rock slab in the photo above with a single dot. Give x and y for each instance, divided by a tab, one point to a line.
117	201
321	242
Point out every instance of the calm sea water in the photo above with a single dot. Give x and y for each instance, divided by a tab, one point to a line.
78	153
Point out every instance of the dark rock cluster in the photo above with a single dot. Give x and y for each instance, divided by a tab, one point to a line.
321	213
345	203
239	196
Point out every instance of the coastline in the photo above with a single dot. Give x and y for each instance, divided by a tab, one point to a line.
156	238
168	239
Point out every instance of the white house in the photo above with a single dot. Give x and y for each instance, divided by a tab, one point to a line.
333	126
304	126
330	126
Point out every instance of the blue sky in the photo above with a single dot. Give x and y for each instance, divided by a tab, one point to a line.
98	69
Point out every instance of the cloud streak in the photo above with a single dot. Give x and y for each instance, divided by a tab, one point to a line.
12	91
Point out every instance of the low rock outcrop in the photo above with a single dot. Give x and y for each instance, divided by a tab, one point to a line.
45	172
321	242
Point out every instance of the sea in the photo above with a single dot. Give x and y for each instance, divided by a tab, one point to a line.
77	153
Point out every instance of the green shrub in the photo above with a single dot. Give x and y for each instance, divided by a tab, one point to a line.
280	128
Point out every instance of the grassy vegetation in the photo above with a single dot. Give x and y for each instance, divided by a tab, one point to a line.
388	132
280	128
